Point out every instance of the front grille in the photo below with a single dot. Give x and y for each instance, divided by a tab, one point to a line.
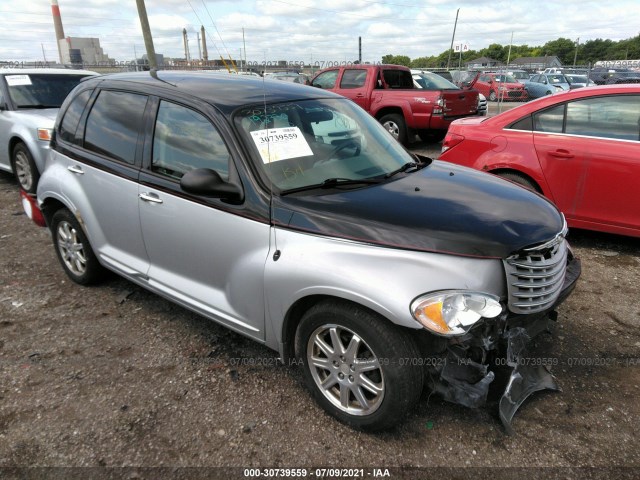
535	277
514	93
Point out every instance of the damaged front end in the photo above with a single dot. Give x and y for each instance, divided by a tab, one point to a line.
461	370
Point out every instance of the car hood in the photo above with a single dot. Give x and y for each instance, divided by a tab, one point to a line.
44	118
442	208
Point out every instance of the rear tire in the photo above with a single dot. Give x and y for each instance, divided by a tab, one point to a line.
492	96
520	179
394	123
358	365
24	168
73	249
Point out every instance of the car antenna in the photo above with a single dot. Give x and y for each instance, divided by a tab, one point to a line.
276	253
154	74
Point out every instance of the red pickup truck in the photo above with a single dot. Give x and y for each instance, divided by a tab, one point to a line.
387	92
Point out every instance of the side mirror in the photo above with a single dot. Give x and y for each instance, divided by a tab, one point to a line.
209	183
3	106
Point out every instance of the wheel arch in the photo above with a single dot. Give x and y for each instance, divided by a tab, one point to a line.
13	141
536	183
389	110
50	206
297	310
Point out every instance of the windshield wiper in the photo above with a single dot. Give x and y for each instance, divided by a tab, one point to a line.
422	162
332	182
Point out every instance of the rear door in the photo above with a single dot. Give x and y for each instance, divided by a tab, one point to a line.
101	161
353	85
204	253
591	161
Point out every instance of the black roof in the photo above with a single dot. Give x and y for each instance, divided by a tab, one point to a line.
224	91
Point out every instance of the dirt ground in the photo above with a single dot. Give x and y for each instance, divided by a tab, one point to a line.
114	376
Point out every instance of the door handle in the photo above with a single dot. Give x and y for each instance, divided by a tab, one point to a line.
75	169
561	154
360	95
149	197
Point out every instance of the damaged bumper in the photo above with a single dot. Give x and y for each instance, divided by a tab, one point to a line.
463	375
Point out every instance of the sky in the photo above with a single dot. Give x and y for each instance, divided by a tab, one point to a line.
309	31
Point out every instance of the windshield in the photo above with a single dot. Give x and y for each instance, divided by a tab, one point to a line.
556	78
505	78
302	143
520	75
40	90
431	81
576	78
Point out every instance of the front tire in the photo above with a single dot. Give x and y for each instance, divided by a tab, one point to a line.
73	249
394	123
358	365
25	168
492	96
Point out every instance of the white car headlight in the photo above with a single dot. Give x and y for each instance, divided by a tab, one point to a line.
454	312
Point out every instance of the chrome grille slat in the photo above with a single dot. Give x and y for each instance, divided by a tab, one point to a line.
535	277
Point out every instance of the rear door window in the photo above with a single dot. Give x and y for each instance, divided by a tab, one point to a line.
353	79
549	120
609	117
114	124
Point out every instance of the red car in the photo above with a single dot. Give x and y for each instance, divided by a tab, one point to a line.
580	148
499	86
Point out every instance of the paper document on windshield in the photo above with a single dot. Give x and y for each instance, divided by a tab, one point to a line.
17	80
277	144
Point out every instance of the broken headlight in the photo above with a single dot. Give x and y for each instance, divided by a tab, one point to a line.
454	312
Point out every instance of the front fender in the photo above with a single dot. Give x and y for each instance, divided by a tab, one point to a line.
384	280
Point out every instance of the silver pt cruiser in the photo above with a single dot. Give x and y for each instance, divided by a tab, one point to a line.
289	215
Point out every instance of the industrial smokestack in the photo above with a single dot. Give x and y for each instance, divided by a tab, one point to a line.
186	44
57	24
205	55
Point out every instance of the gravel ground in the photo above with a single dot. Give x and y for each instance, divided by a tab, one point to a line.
114	376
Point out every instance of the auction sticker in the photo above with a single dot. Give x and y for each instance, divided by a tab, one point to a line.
280	144
17	80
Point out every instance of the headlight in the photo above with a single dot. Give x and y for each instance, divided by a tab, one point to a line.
454	312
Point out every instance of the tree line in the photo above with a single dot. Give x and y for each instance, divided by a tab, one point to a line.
564	48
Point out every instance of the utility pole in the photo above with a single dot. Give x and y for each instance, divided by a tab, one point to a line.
452	38
146	33
199	48
43	55
244	47
359	50
575	55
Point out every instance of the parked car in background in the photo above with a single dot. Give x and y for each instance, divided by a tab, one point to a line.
29	103
579	148
519	75
499	86
622	77
292	77
578	80
482	105
376	270
552	80
537	90
426	80
388	93
604	76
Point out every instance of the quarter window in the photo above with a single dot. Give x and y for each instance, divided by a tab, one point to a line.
114	124
72	116
185	140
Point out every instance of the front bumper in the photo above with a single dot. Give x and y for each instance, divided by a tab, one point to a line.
461	372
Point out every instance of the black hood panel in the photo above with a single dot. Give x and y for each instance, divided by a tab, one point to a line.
442	208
